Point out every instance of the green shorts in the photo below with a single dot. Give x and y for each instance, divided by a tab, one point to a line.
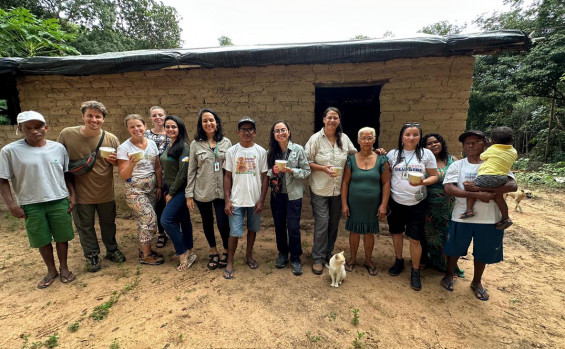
48	221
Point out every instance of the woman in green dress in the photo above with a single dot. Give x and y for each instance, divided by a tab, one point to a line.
438	207
365	191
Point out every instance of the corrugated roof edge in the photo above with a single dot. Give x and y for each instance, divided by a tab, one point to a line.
355	51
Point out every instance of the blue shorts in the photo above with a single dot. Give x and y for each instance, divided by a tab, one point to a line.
487	241
236	221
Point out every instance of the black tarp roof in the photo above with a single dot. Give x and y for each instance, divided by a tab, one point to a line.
354	51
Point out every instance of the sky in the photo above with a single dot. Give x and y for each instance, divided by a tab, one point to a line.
251	22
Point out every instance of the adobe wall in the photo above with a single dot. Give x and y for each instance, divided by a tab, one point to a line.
433	91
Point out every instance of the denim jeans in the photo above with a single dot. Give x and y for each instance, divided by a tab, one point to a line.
176	221
327	211
207	213
286	215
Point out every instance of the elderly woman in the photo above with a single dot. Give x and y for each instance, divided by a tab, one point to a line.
205	185
365	191
407	206
157	135
139	167
327	151
286	193
438	207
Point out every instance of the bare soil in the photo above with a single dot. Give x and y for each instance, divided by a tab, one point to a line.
158	307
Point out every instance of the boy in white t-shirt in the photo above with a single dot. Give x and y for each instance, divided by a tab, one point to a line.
245	189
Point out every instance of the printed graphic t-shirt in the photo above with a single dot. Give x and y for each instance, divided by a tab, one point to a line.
246	166
146	166
401	190
485	213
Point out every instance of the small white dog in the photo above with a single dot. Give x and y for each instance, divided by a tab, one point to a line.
337	269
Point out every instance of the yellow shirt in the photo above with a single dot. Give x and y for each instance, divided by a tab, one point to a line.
498	160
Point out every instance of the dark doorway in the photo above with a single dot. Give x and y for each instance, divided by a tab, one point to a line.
359	107
9	101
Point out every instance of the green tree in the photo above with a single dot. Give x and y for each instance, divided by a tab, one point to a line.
360	37
24	35
524	90
443	28
225	41
111	25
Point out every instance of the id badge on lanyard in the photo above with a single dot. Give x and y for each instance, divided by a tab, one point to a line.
216	166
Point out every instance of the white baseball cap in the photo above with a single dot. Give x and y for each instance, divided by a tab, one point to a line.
29	116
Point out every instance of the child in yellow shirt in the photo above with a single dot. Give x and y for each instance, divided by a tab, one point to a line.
493	172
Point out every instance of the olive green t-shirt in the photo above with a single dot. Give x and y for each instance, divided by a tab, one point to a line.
96	186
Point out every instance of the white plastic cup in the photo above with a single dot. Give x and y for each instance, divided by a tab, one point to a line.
106	151
415	177
138	155
281	164
338	170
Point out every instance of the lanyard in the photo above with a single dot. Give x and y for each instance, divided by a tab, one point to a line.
406	163
215	150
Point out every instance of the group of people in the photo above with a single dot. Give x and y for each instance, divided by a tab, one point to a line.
419	188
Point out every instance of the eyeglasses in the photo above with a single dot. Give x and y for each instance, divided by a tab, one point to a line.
366	139
247	130
281	130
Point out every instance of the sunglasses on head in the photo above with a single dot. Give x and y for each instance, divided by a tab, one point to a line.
412	124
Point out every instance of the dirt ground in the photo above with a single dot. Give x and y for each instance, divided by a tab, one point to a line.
158	307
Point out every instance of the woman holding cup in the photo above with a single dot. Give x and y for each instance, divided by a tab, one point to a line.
327	151
157	134
365	192
413	168
288	166
139	167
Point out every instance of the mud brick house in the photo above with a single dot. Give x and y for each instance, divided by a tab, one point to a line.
381	83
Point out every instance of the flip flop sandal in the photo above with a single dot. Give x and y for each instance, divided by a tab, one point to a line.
213	261
70	277
228	274
480	294
448	285
467	214
372	270
46	282
223	261
503	224
252	264
349	267
161	241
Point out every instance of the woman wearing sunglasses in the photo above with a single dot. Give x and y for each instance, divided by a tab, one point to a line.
413	168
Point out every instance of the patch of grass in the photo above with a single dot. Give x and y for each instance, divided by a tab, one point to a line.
101	311
312	338
357	343
52	341
305	244
46	305
180	337
355	320
189	290
332	316
514	300
13	222
115	344
74	326
124	273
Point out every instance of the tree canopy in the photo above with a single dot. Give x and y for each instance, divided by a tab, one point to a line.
110	25
525	90
24	35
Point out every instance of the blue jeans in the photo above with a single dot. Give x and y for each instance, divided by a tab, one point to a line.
176	221
286	215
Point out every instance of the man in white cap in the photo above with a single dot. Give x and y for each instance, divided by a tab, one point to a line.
36	167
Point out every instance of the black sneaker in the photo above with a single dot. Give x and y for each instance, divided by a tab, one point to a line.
116	256
397	268
93	264
282	261
296	268
415	282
